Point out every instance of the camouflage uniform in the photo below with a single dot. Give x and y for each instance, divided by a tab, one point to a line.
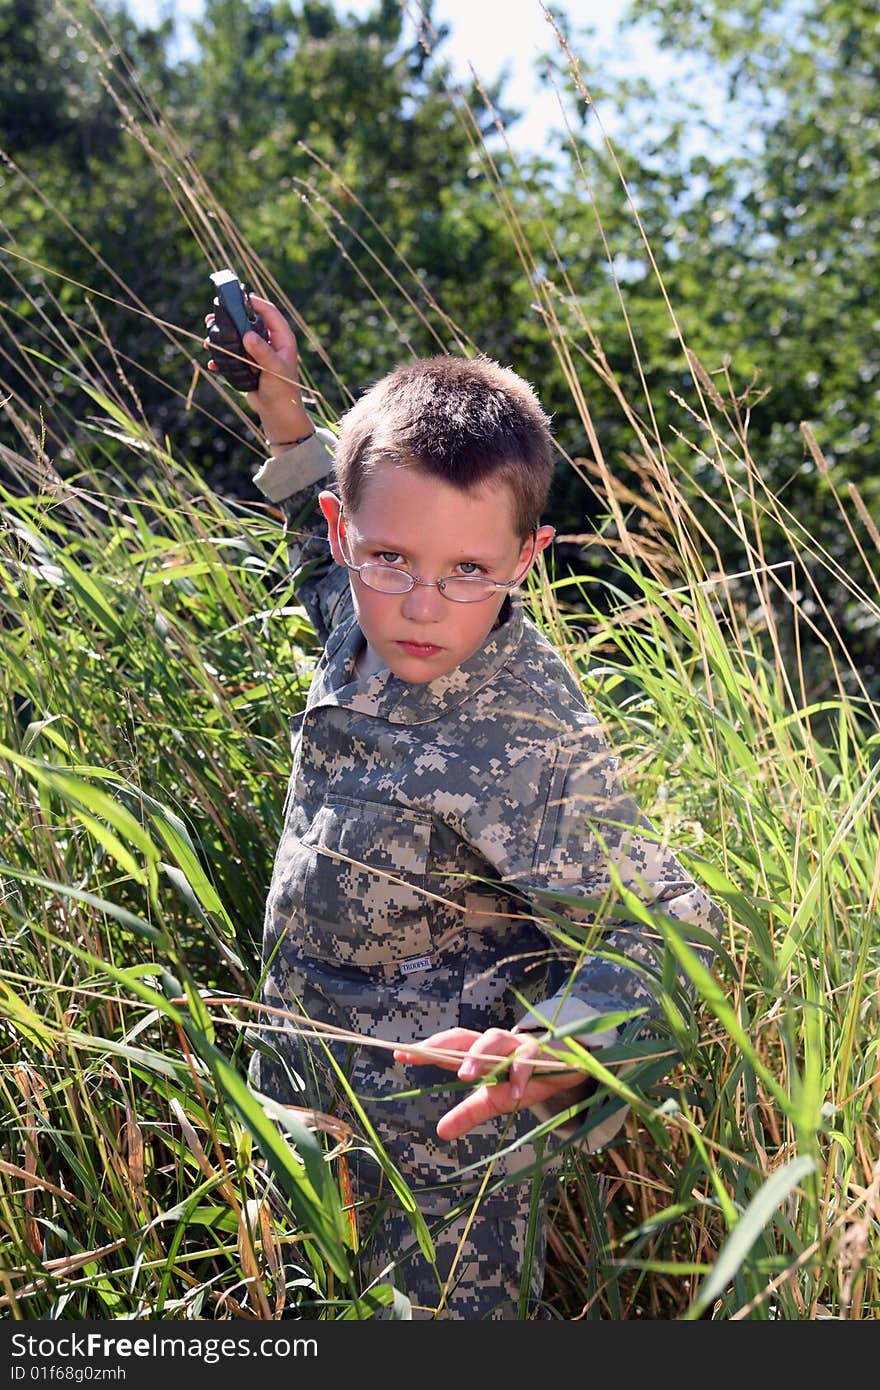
415	818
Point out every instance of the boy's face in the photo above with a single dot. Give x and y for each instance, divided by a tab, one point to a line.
408	520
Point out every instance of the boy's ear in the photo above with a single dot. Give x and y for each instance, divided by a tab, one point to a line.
332	508
542	538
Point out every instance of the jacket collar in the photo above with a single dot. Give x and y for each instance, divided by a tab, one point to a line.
387	697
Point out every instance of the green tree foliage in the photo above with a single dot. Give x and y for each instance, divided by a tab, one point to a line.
803	233
774	251
765	233
83	217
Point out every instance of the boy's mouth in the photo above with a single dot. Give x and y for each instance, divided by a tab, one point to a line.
419	648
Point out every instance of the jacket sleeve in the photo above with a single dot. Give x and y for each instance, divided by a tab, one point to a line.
592	843
290	480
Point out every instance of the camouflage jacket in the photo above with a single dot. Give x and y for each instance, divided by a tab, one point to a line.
423	823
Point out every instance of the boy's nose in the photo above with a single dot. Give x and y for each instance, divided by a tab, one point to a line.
423	603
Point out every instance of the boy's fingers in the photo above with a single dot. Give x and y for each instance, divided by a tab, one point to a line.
483	1056
521	1067
478	1106
279	329
257	348
452	1040
413	1057
486	1102
272	358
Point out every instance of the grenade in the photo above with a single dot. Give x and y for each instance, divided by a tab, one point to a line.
234	315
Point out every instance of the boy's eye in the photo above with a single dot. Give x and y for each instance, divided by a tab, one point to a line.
389	557
470	567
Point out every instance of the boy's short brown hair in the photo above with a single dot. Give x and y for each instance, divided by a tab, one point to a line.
465	420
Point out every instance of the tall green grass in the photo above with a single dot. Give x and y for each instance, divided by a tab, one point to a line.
152	651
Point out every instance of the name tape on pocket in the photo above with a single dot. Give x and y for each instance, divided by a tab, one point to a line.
409	967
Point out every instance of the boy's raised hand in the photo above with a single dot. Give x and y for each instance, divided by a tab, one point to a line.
522	1086
278	398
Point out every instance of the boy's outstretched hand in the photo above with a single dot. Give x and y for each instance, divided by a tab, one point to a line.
522	1085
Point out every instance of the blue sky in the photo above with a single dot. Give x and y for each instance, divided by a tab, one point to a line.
496	34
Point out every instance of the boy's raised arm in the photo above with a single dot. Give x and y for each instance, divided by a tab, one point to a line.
301	460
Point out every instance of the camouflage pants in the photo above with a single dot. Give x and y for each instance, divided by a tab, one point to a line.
479	1261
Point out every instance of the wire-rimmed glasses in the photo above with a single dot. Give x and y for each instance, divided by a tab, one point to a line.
458	588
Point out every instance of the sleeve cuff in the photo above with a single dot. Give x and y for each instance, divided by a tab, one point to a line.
298	468
559	1012
595	1138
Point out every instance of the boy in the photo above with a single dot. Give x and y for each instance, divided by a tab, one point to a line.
446	770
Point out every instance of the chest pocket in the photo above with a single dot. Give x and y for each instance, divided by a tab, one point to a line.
364	902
